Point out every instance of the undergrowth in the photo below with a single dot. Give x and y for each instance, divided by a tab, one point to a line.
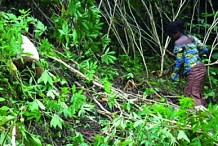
74	102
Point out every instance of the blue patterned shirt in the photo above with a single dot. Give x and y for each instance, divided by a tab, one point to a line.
187	56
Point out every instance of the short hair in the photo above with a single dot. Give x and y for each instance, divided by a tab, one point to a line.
175	26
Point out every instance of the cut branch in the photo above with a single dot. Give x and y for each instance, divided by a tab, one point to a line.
13	138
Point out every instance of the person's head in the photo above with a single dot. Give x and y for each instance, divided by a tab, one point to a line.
175	29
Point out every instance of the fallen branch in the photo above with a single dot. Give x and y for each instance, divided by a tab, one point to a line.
104	114
81	75
106	111
158	95
122	94
117	92
13	138
138	97
76	71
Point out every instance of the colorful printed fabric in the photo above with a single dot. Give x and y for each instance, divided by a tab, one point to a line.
187	56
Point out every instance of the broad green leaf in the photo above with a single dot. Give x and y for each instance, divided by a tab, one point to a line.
127	142
56	121
73	88
11	16
33	105
9	117
73	7
137	123
31	140
2	99
5	119
119	122
108	57
83	144
182	135
65	109
74	36
215	56
52	93
78	99
4	108
45	78
40	28
41	106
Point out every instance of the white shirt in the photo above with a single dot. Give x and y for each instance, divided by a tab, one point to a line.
29	50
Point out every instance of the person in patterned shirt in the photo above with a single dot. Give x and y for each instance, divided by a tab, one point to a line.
188	51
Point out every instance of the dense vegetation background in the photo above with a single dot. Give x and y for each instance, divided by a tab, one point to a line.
106	73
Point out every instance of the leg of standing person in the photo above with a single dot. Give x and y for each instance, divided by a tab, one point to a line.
195	84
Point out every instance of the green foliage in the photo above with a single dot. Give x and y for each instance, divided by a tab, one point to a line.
89	68
23	98
77	29
107	85
50	110
108	57
148	91
129	76
215	56
10	33
56	121
212	88
77	101
161	125
133	68
46	48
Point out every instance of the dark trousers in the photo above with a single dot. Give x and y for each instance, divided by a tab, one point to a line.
195	80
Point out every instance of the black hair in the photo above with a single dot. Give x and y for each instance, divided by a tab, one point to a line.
175	26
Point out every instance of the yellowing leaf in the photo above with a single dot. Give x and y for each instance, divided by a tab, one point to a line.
11	65
104	99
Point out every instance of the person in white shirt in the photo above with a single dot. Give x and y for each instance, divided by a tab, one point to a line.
28	56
